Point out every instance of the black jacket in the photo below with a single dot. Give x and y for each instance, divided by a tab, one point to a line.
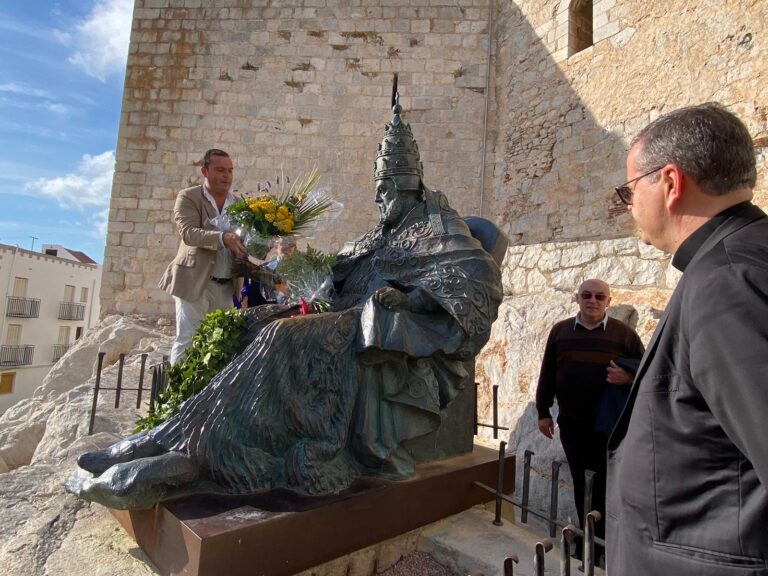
688	459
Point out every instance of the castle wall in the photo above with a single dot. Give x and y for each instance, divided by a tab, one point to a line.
284	87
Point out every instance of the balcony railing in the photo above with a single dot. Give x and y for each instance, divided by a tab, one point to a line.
22	307
16	355
71	311
59	350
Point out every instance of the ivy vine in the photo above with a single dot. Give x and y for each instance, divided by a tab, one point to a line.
213	346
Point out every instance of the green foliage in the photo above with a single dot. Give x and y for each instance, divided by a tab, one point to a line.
213	347
298	263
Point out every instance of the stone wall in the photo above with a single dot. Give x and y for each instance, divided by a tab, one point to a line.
285	86
563	123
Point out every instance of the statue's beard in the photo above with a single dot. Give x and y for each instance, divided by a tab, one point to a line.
390	215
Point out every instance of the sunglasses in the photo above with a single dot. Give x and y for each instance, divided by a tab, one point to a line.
589	296
626	194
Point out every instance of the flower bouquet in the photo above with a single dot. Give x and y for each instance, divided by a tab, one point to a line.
267	221
262	217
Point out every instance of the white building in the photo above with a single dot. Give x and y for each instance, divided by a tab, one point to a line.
48	300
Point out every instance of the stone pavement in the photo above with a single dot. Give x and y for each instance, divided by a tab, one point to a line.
469	543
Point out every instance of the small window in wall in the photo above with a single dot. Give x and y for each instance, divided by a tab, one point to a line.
78	332
580	26
6	382
69	293
83	294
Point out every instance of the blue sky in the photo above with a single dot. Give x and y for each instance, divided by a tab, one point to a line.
62	69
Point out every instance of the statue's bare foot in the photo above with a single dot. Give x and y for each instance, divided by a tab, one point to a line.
137	484
141	446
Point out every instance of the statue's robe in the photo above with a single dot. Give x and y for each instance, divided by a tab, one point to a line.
316	400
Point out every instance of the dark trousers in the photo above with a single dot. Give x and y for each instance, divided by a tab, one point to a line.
586	449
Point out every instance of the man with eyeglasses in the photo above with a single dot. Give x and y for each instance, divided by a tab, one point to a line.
688	459
577	367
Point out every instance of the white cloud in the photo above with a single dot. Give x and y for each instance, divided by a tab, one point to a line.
24	90
89	186
102	39
99	222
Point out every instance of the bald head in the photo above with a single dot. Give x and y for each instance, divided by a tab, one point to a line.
593	297
594	284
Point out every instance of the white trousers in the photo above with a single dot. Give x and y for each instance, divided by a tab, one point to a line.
190	314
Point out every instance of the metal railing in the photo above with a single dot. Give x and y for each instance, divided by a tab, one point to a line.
568	533
59	350
71	311
19	355
495	409
159	382
18	307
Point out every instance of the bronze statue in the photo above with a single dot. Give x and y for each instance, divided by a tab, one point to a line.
315	401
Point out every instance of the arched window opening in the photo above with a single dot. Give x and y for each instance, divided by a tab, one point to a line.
580	26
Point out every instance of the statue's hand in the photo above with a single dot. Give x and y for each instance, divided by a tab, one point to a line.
391	298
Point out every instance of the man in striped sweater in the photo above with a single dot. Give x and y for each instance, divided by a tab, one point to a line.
578	365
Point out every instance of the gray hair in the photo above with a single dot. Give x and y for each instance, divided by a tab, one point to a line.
707	142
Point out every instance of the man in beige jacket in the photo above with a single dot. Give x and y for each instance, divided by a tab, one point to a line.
200	276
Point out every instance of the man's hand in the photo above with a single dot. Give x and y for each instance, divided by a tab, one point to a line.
618	376
391	298
547	427
232	241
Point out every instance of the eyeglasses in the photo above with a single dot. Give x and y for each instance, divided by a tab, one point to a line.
626	193
589	296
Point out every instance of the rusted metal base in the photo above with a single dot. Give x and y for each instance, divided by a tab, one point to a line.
282	533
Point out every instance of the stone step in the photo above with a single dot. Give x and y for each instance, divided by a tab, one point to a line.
469	543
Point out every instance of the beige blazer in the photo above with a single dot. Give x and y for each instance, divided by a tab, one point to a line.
189	272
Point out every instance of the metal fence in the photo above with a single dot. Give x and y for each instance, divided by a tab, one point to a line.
159	382
568	532
22	307
71	311
16	355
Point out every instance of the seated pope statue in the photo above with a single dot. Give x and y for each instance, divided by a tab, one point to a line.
315	401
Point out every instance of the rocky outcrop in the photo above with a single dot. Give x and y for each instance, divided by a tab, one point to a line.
38	428
44	529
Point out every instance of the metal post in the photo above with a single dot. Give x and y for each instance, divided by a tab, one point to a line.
153	388
509	565
553	494
477	396
141	379
500	485
566	541
589	543
589	482
119	381
526	485
495	411
96	392
538	560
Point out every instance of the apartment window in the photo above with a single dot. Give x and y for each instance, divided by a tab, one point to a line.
69	293
83	294
6	382
19	287
13	334
78	332
580	26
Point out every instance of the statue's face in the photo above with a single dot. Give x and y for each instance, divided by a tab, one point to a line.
392	206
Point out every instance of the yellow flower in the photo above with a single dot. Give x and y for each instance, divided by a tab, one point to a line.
269	217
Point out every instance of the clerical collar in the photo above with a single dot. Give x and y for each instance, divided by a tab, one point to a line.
688	248
603	322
